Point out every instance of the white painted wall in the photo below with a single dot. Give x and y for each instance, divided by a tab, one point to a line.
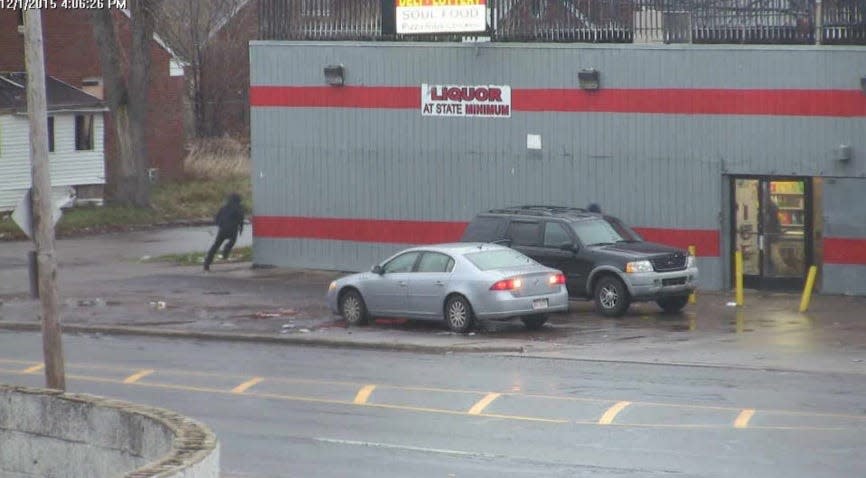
68	166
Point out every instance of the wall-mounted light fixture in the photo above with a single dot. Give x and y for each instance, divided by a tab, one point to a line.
588	79
843	152
335	75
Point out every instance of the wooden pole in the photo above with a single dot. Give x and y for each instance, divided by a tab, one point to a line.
43	222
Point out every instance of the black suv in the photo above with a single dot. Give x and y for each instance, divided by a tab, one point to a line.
601	257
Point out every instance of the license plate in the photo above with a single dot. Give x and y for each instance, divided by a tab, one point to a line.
539	304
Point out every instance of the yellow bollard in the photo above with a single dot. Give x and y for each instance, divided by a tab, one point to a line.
807	291
693	297
738	276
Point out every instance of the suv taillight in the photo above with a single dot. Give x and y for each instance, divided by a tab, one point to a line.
557	279
507	284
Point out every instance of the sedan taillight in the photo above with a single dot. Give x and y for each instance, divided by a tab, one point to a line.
507	284
556	279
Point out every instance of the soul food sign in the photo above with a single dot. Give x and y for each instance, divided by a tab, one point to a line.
441	16
448	100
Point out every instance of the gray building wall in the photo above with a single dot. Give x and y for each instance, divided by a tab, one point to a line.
845	218
652	170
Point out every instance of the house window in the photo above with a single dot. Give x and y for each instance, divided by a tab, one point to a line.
50	134
83	132
316	8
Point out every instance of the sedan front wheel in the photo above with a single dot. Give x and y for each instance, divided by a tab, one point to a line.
352	308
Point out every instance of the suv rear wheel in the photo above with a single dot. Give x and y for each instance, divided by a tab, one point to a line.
672	305
611	297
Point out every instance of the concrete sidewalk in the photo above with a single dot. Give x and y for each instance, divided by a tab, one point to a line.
106	288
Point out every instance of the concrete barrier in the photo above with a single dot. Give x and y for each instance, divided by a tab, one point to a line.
49	433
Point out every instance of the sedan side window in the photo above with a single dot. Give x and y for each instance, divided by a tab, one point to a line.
555	235
435	262
524	233
401	263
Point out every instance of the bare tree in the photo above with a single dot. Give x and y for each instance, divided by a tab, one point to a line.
189	26
126	89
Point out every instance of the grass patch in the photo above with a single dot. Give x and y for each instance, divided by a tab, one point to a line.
240	254
216	167
194	200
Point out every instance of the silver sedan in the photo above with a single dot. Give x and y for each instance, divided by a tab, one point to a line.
458	282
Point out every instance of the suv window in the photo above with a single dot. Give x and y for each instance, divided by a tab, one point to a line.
435	262
596	232
401	263
483	229
524	233
498	259
555	235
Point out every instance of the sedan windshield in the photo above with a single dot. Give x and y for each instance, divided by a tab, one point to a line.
498	259
598	232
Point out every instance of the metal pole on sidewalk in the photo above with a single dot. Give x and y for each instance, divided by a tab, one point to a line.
43	222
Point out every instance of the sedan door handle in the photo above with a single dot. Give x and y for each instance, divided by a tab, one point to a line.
402	283
439	282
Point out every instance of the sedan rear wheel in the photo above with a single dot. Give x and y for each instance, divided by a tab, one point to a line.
534	322
611	297
458	314
352	308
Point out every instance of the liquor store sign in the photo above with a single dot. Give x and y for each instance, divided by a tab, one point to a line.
490	101
441	16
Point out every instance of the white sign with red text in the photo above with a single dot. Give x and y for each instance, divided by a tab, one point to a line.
488	101
441	16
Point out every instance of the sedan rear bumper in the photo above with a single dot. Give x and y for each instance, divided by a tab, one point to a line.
503	305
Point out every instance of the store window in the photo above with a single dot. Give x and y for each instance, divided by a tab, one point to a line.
83	132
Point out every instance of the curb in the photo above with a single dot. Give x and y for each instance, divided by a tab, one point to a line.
263	338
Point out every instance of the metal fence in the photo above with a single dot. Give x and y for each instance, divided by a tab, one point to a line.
594	21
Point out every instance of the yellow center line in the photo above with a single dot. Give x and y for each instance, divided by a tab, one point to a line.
34	369
743	418
364	394
247	385
138	376
482	404
612	412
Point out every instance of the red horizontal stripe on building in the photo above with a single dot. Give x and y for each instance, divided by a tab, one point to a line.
780	102
385	97
844	251
432	232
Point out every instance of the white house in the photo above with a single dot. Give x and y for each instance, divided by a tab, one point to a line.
75	141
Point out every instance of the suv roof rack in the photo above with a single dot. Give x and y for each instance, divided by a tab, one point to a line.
540	210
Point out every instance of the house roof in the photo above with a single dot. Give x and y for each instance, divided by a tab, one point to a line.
60	96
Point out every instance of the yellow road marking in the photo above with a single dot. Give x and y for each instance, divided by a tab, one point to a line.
246	385
612	412
293	398
34	369
482	404
743	418
364	394
138	376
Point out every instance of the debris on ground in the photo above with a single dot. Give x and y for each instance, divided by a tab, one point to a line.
271	315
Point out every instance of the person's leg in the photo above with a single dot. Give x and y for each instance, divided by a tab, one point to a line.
229	245
213	250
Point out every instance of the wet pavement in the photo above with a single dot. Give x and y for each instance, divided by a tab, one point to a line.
108	286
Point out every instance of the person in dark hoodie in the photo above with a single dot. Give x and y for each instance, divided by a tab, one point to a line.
230	221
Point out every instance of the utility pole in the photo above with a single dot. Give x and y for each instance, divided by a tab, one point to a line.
37	112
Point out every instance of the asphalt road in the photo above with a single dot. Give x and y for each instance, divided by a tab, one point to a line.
293	411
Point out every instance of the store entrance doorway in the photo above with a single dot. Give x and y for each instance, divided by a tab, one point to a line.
772	226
